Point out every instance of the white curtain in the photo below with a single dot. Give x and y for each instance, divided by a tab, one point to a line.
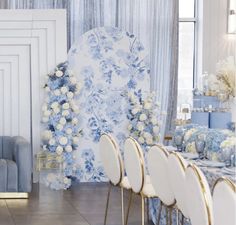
154	22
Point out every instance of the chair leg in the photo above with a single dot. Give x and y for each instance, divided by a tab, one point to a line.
147	204
107	204
170	212
143	210
129	205
167	216
159	214
182	221
122	205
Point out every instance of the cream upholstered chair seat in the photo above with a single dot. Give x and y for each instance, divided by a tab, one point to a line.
177	166
224	202
199	197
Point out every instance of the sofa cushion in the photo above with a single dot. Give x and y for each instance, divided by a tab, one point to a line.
8	176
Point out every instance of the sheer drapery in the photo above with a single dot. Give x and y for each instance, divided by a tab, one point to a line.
154	22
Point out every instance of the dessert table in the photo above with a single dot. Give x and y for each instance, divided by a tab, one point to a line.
211	169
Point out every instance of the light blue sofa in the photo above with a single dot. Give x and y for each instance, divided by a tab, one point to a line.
15	165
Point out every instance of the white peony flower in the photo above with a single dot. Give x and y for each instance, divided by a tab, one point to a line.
68	148
59	150
141	140
156	129
59	73
62	121
65	113
142	117
47	135
66	106
63	140
135	111
57	92
59	127
154	121
70	94
74	121
149	141
56	110
54	105
140	126
75	140
64	90
52	141
73	80
69	131
147	105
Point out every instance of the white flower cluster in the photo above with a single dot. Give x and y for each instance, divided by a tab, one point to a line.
144	117
229	142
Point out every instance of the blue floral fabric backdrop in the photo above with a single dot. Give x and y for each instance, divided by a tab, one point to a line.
110	63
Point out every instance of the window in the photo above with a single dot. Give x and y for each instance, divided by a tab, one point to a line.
187	51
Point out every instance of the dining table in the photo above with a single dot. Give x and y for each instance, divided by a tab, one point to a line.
211	169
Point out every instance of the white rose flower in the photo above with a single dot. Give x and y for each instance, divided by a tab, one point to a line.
149	141
54	105
57	92
147	105
73	80
66	106
56	110
75	140
135	111
156	129
141	140
64	90
44	107
154	121
69	131
59	150
52	141
68	148
142	117
45	119
130	127
62	121
47	135
47	113
70	94
74	121
65	113
140	126
63	140
59	73
59	127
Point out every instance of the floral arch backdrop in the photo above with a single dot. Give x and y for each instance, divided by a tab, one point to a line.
109	63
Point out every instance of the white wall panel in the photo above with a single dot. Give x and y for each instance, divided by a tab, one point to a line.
42	35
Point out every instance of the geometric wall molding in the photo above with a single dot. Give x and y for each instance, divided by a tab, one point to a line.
32	42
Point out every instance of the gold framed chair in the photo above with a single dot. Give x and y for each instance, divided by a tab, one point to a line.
114	169
199	197
139	181
224	201
159	175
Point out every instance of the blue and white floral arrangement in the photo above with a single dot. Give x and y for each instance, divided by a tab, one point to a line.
144	118
60	117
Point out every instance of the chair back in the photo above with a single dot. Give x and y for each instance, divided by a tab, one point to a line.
134	164
199	197
158	169
111	158
176	169
6	147
224	202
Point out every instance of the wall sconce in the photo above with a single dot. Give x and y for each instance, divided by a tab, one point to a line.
231	17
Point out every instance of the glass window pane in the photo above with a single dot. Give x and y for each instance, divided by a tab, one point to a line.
186	8
186	52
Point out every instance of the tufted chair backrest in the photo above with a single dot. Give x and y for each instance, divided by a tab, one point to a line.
6	147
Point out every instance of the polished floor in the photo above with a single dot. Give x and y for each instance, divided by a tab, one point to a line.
83	204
